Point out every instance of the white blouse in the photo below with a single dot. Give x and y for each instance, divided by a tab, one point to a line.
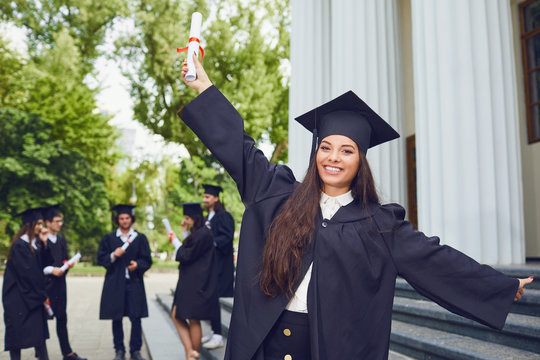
329	207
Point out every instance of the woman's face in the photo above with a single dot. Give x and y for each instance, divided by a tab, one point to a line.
188	221
337	159
37	228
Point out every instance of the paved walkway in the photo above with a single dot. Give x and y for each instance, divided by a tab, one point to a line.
89	336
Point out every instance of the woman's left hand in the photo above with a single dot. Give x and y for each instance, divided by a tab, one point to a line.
184	225
521	290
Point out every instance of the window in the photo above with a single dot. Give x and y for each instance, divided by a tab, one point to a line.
529	12
412	210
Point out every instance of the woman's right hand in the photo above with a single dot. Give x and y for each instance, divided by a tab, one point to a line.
202	82
184	225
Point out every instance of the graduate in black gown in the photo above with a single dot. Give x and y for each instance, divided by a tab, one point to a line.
56	279
222	224
196	295
123	290
23	293
320	285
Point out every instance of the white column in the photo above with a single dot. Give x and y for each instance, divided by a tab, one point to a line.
310	84
344	45
467	140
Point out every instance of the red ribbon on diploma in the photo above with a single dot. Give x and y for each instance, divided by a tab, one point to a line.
190	40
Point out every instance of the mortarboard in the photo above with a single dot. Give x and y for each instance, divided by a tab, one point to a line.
212	189
51	211
192	208
124	209
347	115
31	215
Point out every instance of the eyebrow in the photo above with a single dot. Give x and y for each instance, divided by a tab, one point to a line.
347	145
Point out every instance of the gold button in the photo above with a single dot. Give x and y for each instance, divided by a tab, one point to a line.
287	357
287	332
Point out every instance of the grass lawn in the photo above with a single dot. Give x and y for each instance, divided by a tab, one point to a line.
85	268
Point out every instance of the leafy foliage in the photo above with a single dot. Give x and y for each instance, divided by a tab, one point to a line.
36	171
86	21
245	46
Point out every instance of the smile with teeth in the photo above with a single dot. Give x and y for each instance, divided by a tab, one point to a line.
332	169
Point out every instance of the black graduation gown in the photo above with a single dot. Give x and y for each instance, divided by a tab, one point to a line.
113	294
356	257
56	285
23	294
196	295
223	228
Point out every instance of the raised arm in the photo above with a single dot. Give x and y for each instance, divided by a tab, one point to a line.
444	274
219	126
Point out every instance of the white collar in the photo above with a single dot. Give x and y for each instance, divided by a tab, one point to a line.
25	237
52	237
211	215
119	232
342	200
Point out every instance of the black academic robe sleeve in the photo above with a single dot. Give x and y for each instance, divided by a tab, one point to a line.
104	252
223	229
143	257
255	177
195	249
31	281
23	294
446	275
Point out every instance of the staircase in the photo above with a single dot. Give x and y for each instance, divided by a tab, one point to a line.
423	330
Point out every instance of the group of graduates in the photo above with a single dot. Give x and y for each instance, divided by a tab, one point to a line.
34	287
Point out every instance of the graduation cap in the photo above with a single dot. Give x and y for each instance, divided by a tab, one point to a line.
212	189
347	115
51	211
31	215
192	209
124	209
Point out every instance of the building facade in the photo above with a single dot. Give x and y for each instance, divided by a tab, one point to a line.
457	79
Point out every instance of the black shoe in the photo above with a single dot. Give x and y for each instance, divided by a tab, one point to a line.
74	356
136	355
120	355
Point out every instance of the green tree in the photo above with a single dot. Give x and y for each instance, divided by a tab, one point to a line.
36	171
246	45
53	87
86	21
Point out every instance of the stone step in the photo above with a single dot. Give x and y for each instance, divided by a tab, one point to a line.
520	331
160	334
424	343
529	304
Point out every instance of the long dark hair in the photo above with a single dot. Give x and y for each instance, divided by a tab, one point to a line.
292	229
218	206
27	228
198	222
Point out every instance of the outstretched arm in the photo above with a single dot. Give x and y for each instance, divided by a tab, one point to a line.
219	126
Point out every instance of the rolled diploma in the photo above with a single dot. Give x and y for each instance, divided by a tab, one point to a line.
71	262
49	309
131	237
167	225
176	243
193	46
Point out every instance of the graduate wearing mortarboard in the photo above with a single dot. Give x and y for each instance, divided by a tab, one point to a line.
318	260
123	290
222	224
196	295
56	278
23	293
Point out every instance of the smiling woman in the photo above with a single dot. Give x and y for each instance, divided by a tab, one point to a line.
338	160
318	260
